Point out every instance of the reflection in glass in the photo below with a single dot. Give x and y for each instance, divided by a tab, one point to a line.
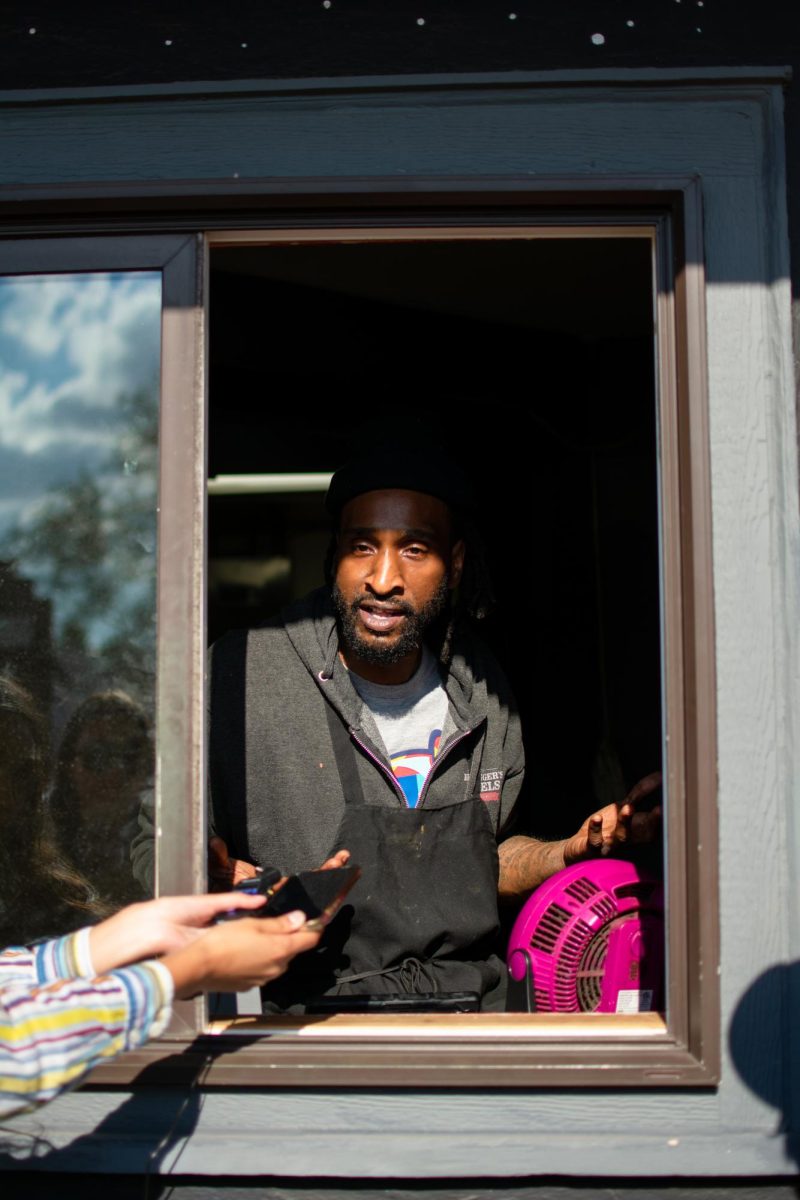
79	363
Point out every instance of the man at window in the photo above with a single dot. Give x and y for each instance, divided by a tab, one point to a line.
369	722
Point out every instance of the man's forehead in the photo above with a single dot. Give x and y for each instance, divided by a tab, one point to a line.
396	509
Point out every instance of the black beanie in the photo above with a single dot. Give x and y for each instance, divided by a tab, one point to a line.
388	465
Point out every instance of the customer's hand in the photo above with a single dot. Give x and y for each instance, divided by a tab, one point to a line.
238	955
155	927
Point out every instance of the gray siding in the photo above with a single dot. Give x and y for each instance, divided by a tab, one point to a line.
731	137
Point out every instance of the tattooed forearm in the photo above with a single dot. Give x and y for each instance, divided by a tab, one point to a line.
526	862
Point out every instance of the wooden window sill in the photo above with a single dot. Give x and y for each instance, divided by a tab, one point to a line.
448	1026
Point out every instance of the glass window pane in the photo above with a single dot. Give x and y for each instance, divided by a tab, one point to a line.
79	394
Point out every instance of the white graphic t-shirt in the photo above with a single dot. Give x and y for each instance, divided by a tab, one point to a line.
409	718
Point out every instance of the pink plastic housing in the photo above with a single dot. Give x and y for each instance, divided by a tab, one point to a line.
594	937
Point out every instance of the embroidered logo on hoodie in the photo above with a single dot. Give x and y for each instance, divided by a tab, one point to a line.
491	785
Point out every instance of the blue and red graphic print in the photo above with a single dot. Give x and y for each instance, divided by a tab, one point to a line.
412	767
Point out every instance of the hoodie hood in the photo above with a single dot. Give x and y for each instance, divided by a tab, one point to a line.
311	627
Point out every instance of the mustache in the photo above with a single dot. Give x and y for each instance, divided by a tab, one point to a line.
385	606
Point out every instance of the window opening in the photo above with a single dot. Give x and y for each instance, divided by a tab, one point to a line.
536	356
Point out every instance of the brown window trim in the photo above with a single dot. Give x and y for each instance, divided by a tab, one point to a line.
684	1052
180	652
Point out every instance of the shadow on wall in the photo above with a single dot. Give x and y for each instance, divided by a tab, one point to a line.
153	1124
767	1060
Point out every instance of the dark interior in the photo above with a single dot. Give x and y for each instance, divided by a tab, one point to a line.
534	358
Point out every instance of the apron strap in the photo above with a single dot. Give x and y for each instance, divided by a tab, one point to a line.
345	754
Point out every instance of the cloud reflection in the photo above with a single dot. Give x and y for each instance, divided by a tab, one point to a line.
70	346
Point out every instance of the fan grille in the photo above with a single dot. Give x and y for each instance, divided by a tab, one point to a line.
605	908
582	889
548	929
568	965
541	999
589	976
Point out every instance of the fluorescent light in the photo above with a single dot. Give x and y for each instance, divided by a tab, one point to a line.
252	485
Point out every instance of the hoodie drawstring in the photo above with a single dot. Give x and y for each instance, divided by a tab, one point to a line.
330	662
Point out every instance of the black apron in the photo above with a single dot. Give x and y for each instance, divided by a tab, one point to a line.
423	916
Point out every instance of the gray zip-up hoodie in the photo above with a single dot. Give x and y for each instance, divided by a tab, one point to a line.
275	792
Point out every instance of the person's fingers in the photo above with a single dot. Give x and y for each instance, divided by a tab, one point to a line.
339	859
242	870
283	924
595	832
608	825
271	943
643	788
622	829
219	902
173	921
198	910
290	930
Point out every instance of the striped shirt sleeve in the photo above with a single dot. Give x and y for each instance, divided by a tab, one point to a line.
54	1029
66	957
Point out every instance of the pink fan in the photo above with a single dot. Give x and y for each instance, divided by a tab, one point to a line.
591	939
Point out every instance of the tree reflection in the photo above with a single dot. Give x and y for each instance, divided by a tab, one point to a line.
90	547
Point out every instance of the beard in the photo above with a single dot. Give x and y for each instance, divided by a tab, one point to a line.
381	651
